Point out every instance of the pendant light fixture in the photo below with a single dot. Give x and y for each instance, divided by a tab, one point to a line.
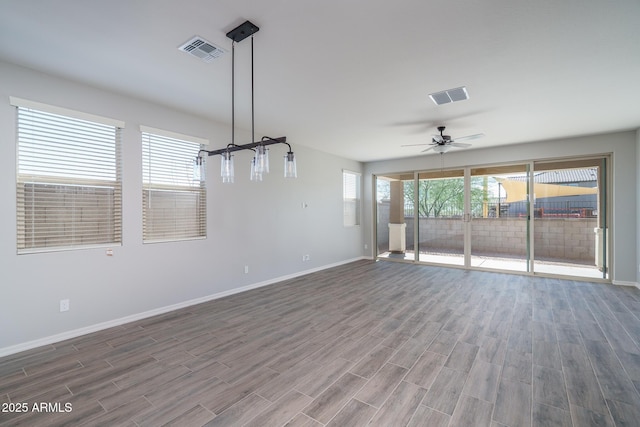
226	168
199	169
260	160
290	170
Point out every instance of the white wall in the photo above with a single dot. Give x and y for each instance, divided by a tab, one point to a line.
624	147
261	225
637	191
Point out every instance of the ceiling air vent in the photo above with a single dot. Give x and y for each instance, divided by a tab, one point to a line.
202	49
449	95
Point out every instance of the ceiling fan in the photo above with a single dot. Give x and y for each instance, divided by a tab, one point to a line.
443	143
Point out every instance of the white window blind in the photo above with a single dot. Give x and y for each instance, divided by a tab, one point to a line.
351	198
174	202
68	183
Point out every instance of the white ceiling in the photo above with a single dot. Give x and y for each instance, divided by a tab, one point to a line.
352	77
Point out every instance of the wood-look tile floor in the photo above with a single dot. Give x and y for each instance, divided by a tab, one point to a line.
384	344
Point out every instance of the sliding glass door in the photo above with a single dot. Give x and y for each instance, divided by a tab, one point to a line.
499	217
570	218
395	217
546	217
440	209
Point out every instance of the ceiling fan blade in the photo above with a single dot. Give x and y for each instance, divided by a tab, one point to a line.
414	145
469	137
430	148
459	144
425	123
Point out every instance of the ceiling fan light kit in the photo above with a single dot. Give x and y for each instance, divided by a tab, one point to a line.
260	161
441	148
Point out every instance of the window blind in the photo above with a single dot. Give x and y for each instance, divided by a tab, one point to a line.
68	183
351	198
174	202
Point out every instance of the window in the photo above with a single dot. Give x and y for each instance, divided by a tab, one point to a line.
351	198
68	182
174	201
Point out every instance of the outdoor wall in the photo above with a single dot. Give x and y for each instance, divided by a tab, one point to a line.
622	146
554	239
560	239
267	226
571	239
436	234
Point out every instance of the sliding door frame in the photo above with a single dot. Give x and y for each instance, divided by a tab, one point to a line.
605	197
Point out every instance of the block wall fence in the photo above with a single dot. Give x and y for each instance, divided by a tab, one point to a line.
558	239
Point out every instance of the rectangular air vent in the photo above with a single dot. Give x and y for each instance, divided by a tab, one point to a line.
449	95
202	49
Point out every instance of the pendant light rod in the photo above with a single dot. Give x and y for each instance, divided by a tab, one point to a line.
233	93
253	115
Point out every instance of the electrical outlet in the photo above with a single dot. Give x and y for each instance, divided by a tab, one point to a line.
64	305
246	269
109	252
306	257
366	246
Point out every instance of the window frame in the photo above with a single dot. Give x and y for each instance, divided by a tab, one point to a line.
48	182
166	192
351	219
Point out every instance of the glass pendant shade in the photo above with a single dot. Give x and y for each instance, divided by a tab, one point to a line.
254	175
265	161
226	168
262	159
199	169
290	170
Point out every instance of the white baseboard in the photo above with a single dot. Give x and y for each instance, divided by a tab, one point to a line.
623	283
132	318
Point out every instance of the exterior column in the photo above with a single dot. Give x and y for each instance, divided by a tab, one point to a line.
397	234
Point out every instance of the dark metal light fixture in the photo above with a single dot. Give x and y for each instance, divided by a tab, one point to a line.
260	161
